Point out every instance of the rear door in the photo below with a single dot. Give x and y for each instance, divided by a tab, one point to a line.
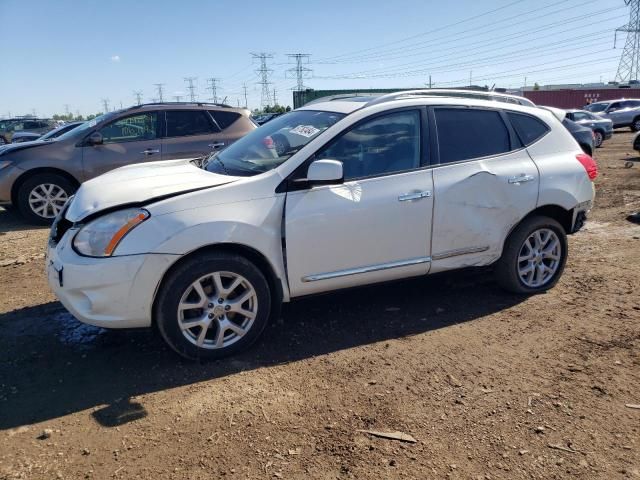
232	125
189	134
484	183
131	139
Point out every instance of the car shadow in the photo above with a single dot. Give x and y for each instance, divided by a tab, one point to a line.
51	365
11	221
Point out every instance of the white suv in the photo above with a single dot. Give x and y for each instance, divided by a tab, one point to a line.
333	195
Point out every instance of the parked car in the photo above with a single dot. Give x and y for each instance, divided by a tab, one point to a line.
208	255
40	176
623	112
602	127
21	137
583	135
265	117
33	125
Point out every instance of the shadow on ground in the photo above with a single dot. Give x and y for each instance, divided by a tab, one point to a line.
10	220
51	365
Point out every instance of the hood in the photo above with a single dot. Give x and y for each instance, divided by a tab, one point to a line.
140	183
14	147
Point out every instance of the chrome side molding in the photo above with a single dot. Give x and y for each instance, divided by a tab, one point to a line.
371	268
458	252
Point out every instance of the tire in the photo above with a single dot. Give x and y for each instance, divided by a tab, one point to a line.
598	138
195	342
510	271
635	126
43	212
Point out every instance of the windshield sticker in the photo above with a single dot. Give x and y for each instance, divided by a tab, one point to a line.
305	130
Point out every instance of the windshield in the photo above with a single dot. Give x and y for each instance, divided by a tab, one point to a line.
86	126
272	144
596	107
57	132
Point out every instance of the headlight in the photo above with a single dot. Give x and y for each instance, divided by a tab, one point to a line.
101	237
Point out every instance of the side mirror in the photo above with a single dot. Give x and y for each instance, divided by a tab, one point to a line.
325	172
95	139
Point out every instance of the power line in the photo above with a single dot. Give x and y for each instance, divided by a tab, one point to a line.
213	88
138	95
191	87
160	91
299	70
630	58
264	73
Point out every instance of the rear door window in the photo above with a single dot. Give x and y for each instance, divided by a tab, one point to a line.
464	134
182	123
528	128
224	119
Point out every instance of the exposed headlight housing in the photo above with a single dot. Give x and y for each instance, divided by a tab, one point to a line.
100	237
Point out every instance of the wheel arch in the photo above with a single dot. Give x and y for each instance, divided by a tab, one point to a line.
36	171
250	253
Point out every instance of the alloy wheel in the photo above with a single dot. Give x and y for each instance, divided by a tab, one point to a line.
217	310
46	200
598	138
539	258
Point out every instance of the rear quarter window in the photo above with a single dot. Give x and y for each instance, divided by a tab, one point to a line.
465	134
224	119
529	129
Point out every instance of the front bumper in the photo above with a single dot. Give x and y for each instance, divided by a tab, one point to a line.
113	292
8	176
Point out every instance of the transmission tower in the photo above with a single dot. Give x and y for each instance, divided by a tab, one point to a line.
67	112
630	59
159	89
177	98
138	95
300	71
105	104
275	98
191	87
244	88
264	73
213	88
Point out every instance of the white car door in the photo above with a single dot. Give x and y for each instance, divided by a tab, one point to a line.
375	226
485	184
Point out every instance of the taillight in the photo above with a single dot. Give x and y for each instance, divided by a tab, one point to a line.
589	165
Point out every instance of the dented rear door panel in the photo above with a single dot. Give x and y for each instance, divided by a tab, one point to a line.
476	204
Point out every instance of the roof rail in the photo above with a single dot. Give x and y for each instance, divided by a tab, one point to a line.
426	92
180	103
341	96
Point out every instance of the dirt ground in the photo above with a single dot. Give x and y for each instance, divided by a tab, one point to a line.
491	385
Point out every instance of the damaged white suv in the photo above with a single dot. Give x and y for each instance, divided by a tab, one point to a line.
339	193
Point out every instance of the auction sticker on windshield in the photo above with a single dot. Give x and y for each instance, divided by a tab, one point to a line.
304	130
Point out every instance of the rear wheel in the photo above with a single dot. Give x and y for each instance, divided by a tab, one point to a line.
534	256
213	305
635	126
41	197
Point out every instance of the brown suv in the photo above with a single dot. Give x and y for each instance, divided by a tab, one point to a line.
38	177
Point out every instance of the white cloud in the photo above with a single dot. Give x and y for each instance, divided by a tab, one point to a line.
115	58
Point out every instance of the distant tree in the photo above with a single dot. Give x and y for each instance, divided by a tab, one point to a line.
536	86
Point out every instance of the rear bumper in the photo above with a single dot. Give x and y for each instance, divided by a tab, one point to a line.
580	212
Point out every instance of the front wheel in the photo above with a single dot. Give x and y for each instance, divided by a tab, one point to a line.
635	126
598	138
534	256
213	305
41	197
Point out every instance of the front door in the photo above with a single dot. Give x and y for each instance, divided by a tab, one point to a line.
127	140
376	226
485	184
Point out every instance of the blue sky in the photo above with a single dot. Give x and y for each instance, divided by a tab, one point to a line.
78	52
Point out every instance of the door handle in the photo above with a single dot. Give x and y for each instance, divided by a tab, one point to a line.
150	151
407	197
216	144
522	178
